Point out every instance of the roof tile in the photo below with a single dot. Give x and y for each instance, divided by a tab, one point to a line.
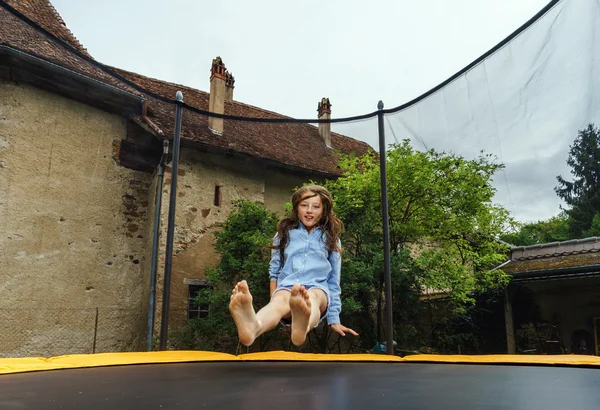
44	14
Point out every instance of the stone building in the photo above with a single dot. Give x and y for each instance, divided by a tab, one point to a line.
80	145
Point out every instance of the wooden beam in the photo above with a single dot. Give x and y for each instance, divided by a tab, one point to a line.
509	324
23	68
596	335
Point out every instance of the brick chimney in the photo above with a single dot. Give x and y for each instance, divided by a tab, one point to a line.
221	90
324	110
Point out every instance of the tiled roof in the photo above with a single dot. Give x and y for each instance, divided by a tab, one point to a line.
548	250
554	256
43	13
19	35
555	262
293	145
297	145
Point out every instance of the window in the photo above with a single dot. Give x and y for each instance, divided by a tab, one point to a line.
197	309
218	195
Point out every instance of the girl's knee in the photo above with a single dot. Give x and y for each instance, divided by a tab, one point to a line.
282	296
317	293
319	296
280	301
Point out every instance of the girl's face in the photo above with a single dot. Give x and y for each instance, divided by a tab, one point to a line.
310	210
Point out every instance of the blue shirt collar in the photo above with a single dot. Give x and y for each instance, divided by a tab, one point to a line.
303	228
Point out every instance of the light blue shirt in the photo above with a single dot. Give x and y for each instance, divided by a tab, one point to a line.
308	262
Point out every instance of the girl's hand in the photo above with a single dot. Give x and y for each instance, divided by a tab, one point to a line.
341	329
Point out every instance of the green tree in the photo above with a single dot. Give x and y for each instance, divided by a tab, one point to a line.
241	245
582	195
443	227
554	229
594	229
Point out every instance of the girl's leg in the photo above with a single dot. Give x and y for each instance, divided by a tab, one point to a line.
306	307
250	325
272	313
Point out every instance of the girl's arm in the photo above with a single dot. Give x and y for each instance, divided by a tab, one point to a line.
274	265
335	291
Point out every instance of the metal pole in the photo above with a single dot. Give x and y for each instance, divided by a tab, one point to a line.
157	209
386	232
95	332
164	324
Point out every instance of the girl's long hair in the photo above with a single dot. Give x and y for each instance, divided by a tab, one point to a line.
332	226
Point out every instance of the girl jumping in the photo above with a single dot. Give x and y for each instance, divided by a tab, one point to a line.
304	271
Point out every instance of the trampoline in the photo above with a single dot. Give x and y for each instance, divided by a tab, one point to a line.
491	100
279	380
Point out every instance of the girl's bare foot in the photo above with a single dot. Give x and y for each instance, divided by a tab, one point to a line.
300	306
243	313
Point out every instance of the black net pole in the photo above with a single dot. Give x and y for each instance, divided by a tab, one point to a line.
386	232
164	324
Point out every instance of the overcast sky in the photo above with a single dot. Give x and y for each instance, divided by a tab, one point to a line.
285	56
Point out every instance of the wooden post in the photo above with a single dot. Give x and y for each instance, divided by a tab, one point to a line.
508	321
596	335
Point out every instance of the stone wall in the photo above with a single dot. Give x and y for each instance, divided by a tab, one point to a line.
197	216
73	228
76	227
279	187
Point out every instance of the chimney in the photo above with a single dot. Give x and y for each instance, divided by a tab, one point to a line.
221	90
324	110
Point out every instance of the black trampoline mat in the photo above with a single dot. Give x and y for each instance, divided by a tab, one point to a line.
305	386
